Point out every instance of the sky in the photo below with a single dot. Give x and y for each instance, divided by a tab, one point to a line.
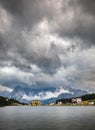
47	43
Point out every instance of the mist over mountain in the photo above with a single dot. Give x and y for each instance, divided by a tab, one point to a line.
47	95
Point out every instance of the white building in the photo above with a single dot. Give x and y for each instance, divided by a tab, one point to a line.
59	103
77	100
91	103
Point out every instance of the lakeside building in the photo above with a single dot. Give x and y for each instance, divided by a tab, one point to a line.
91	103
36	103
76	100
85	103
51	104
59	103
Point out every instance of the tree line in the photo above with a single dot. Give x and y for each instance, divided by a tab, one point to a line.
7	102
84	98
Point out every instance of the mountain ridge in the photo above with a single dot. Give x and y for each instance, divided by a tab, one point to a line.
47	95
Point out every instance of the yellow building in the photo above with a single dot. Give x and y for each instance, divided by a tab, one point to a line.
36	103
85	103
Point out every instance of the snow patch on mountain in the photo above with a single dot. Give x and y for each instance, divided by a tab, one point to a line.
46	95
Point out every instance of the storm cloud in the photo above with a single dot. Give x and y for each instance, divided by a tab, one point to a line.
47	41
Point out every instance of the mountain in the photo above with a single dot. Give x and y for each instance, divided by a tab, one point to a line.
46	95
74	93
26	94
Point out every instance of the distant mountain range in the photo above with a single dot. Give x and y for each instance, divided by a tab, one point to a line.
46	95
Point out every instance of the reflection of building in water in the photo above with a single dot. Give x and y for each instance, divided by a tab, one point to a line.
35	103
77	100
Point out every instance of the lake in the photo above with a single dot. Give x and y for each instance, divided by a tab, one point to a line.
47	118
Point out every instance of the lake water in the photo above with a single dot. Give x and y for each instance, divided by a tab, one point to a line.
47	118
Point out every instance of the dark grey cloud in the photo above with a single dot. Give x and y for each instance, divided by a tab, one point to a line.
27	13
19	10
88	6
80	20
15	50
47	41
13	6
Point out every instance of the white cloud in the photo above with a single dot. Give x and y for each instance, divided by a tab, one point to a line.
46	95
4	88
79	71
11	72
